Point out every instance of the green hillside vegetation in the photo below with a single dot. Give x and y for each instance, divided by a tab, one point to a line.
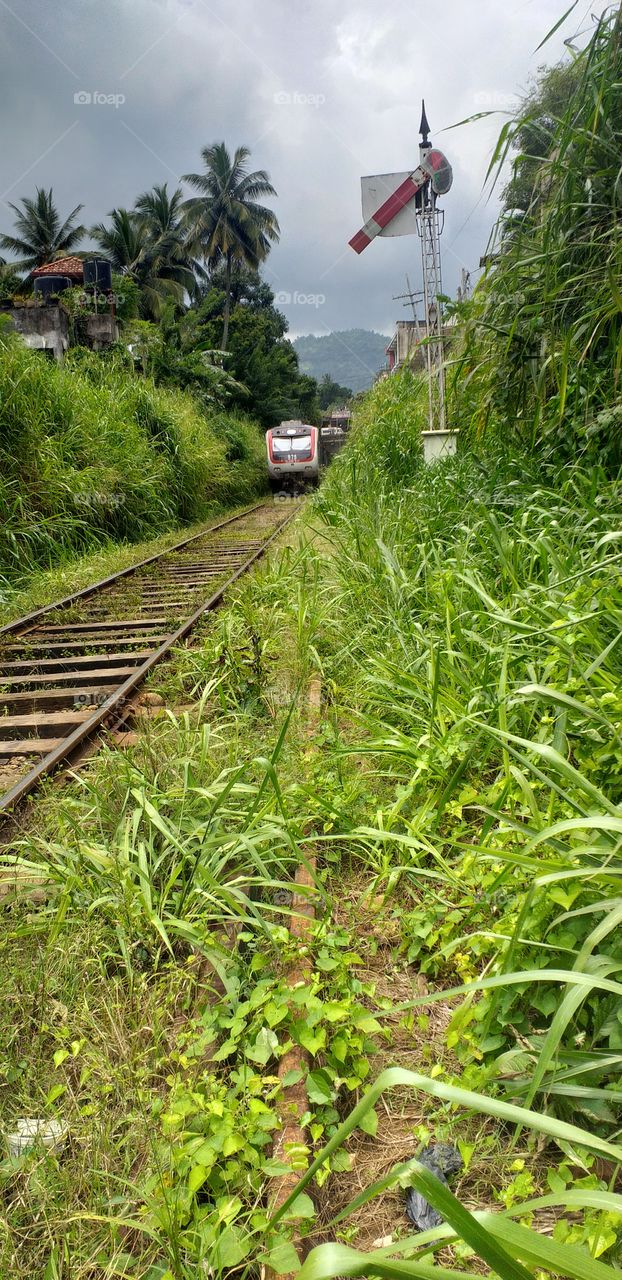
455	796
352	357
461	793
90	452
543	333
186	278
119	447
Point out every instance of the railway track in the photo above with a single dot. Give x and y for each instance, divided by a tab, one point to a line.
71	668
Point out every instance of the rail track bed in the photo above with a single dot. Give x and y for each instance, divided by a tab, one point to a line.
69	669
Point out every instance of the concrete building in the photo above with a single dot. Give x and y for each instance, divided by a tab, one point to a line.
45	324
71	269
100	330
42	328
404	347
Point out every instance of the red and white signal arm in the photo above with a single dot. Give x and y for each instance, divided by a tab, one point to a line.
388	198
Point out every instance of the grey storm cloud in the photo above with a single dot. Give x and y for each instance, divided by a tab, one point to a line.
103	98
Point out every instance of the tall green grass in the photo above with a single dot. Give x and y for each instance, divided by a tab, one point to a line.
180	854
465	618
476	628
90	452
488	610
541	347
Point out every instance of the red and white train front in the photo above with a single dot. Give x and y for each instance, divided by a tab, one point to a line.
293	453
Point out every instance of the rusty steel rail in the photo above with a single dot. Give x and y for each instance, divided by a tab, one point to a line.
55	681
68	601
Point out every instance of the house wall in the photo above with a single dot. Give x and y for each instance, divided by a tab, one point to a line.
101	330
42	328
407	343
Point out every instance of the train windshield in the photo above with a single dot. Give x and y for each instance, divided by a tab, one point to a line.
291	444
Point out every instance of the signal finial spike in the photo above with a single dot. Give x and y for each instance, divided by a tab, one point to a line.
424	128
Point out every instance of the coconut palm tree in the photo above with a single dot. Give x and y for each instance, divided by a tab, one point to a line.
160	217
42	236
225	222
161	212
135	249
121	241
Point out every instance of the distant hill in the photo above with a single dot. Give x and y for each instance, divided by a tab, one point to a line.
352	356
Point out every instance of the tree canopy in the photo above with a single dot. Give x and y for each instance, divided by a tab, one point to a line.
226	222
330	393
42	235
259	356
149	244
207	320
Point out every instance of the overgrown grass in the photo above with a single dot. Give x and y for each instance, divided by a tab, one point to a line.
476	629
123	971
540	352
466	778
488	606
90	453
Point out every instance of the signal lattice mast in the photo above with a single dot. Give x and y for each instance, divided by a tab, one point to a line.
409	206
430	222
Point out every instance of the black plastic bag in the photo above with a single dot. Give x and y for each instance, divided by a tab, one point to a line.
442	1160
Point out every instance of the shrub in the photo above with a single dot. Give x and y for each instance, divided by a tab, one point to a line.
89	452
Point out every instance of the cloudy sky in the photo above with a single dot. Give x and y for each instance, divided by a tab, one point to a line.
103	98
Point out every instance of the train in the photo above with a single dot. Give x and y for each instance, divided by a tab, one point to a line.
333	434
298	451
293	450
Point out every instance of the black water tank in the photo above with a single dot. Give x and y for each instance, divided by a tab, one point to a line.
46	286
97	274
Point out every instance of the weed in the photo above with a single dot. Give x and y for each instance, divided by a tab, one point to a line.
93	453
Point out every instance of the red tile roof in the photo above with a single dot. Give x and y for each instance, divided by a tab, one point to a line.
62	267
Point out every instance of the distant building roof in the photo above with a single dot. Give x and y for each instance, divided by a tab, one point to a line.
72	267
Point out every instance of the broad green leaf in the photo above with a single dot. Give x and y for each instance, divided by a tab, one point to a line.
230	1248
301	1206
275	1168
283	1259
292	1077
197	1177
310	1040
319	1087
264	1047
369	1123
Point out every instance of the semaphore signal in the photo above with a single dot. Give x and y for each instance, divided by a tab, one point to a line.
400	204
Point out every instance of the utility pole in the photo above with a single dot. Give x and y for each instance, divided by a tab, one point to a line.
411	299
464	288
